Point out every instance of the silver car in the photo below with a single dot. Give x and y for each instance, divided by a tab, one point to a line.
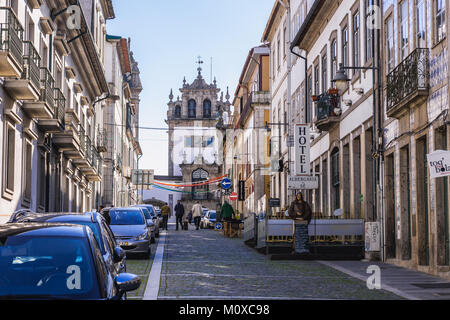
156	220
131	230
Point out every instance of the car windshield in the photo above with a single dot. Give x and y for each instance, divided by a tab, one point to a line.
95	230
150	208
126	217
46	267
146	213
212	214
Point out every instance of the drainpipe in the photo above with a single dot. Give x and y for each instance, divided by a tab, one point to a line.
289	89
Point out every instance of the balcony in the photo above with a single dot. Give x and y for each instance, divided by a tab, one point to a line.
262	97
11	44
102	142
71	141
327	113
28	86
43	108
57	123
408	84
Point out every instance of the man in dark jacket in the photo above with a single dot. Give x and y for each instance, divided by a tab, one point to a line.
300	209
301	213
179	212
226	212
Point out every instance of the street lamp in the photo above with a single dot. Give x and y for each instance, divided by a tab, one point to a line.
341	80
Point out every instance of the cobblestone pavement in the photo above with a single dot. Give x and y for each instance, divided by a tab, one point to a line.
204	264
141	267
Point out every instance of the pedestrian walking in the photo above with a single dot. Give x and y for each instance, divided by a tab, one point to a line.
186	220
179	213
190	217
301	213
165	212
197	211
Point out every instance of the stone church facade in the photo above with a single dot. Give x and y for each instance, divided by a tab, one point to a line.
194	141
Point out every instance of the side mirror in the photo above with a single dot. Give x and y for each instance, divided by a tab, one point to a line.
127	282
119	254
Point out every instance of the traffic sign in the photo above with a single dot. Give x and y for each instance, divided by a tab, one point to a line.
218	226
226	184
234	196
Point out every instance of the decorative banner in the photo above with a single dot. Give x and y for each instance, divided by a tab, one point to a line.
439	162
301	150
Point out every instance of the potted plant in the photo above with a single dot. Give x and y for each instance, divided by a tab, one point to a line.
333	91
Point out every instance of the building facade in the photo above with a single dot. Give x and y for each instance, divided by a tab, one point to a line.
195	144
415	74
250	154
53	89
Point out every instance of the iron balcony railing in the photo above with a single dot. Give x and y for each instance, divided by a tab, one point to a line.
82	136
11	34
410	76
89	150
32	64
326	105
60	106
47	87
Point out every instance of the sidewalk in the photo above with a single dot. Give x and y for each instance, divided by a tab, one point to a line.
409	284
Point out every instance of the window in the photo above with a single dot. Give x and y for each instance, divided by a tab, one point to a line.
308	106
334	63
177	112
207	109
324	73
420	20
440	20
278	53
404	40
389	44
355	48
8	159
27	170
335	179
285	41
41	181
345	46
316	80
369	31
192	108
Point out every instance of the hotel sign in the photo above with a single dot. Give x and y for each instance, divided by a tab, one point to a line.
302	149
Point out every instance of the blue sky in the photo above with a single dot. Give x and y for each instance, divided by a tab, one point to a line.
166	39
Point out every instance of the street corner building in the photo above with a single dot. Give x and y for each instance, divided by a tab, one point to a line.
69	108
376	99
195	142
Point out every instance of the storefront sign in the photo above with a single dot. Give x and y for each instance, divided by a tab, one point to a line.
303	183
302	149
373	236
439	163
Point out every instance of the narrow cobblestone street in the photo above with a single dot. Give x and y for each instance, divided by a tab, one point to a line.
204	264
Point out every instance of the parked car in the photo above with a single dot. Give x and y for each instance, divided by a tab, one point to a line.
150	223
156	220
209	220
112	253
130	230
57	261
